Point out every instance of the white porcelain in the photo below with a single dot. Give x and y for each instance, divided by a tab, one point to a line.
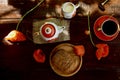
51	31
69	10
115	32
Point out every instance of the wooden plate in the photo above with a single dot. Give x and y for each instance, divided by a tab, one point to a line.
64	61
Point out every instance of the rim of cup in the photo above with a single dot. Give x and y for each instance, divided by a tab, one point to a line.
66	3
117	25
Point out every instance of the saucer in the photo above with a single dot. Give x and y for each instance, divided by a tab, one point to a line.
64	61
99	33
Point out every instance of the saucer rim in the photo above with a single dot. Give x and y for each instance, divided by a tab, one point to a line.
99	34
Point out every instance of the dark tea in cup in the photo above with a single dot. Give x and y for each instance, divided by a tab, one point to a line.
106	28
110	28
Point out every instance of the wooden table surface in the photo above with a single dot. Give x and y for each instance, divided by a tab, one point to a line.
17	62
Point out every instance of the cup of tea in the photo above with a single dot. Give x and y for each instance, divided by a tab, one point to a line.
109	27
69	9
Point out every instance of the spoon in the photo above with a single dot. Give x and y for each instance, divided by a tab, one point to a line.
101	5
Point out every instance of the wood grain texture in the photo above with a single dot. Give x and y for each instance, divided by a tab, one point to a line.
17	63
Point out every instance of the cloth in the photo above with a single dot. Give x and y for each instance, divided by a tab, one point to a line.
64	36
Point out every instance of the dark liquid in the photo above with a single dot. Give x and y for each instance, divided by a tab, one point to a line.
109	27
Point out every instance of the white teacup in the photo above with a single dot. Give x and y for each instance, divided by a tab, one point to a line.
110	27
69	10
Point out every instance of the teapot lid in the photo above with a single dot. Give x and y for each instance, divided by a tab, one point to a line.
48	30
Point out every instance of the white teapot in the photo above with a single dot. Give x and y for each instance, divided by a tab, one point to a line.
49	31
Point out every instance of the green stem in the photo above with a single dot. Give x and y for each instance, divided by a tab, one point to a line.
89	30
28	13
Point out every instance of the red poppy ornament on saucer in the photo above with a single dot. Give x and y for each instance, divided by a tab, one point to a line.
50	31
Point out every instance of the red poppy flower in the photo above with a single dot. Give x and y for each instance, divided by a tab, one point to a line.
39	56
15	36
79	50
102	51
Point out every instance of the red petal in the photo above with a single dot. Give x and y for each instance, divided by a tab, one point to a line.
106	51
99	54
39	56
15	36
102	51
100	45
79	50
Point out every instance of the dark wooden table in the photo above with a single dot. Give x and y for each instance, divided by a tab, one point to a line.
17	63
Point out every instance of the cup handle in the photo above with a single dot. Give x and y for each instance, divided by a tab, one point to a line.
99	29
119	28
77	5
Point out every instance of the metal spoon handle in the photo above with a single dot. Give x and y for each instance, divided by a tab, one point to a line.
104	2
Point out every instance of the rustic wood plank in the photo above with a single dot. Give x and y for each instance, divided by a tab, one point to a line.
8	13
